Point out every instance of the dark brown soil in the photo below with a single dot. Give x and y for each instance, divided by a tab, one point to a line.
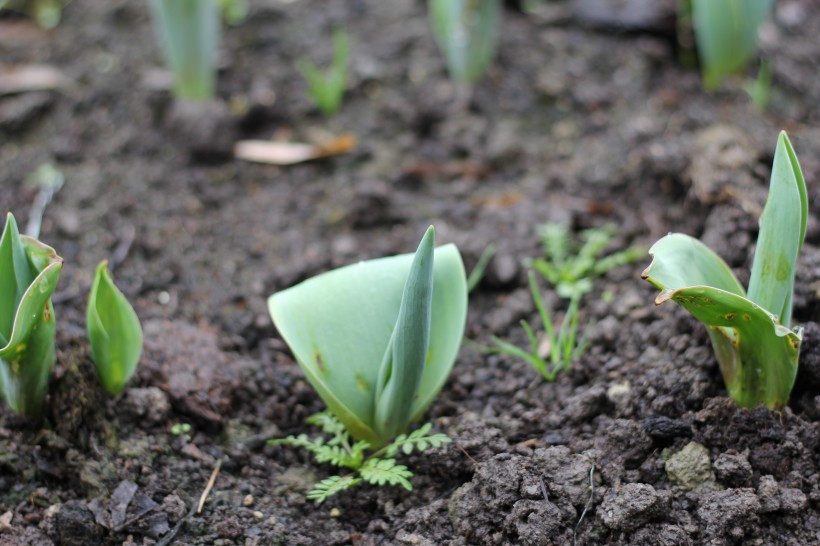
584	119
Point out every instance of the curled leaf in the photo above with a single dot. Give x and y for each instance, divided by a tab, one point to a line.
29	271
114	332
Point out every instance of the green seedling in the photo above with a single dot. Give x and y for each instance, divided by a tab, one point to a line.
377	339
756	349
29	271
467	33
234	12
114	332
47	13
480	267
760	88
189	32
377	468
326	89
180	429
563	345
571	268
726	35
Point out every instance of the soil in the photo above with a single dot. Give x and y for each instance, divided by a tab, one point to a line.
587	118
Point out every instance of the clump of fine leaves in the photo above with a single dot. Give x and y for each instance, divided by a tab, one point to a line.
338	449
570	268
327	89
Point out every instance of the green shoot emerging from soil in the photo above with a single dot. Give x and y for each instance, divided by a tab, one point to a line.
377	468
189	31
571	271
467	32
29	271
47	13
725	34
326	90
377	339
570	268
562	345
114	332
750	331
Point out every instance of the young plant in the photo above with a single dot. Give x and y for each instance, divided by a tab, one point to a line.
726	35
756	349
114	332
563	346
326	90
571	268
189	31
377	339
47	13
466	32
377	468
29	271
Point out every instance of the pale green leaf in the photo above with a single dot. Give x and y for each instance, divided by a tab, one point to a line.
467	32
338	325
404	359
114	332
29	271
726	34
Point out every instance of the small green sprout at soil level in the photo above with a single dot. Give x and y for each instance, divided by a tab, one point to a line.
234	12
179	429
570	269
725	34
378	339
466	32
114	332
47	13
750	331
377	468
562	344
326	90
189	32
29	271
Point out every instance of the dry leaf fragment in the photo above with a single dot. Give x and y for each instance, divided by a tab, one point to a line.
290	153
5	521
32	77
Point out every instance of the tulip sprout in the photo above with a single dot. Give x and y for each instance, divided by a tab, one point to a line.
189	31
29	271
726	35
750	331
467	32
114	332
570	270
326	90
377	340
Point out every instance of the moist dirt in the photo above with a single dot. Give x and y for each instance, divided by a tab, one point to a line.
586	118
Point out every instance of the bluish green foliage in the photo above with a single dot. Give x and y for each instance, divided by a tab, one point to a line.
326	90
377	468
29	271
378	339
563	344
755	347
189	32
726	35
466	32
114	332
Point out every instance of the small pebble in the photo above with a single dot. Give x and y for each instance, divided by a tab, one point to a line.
248	500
